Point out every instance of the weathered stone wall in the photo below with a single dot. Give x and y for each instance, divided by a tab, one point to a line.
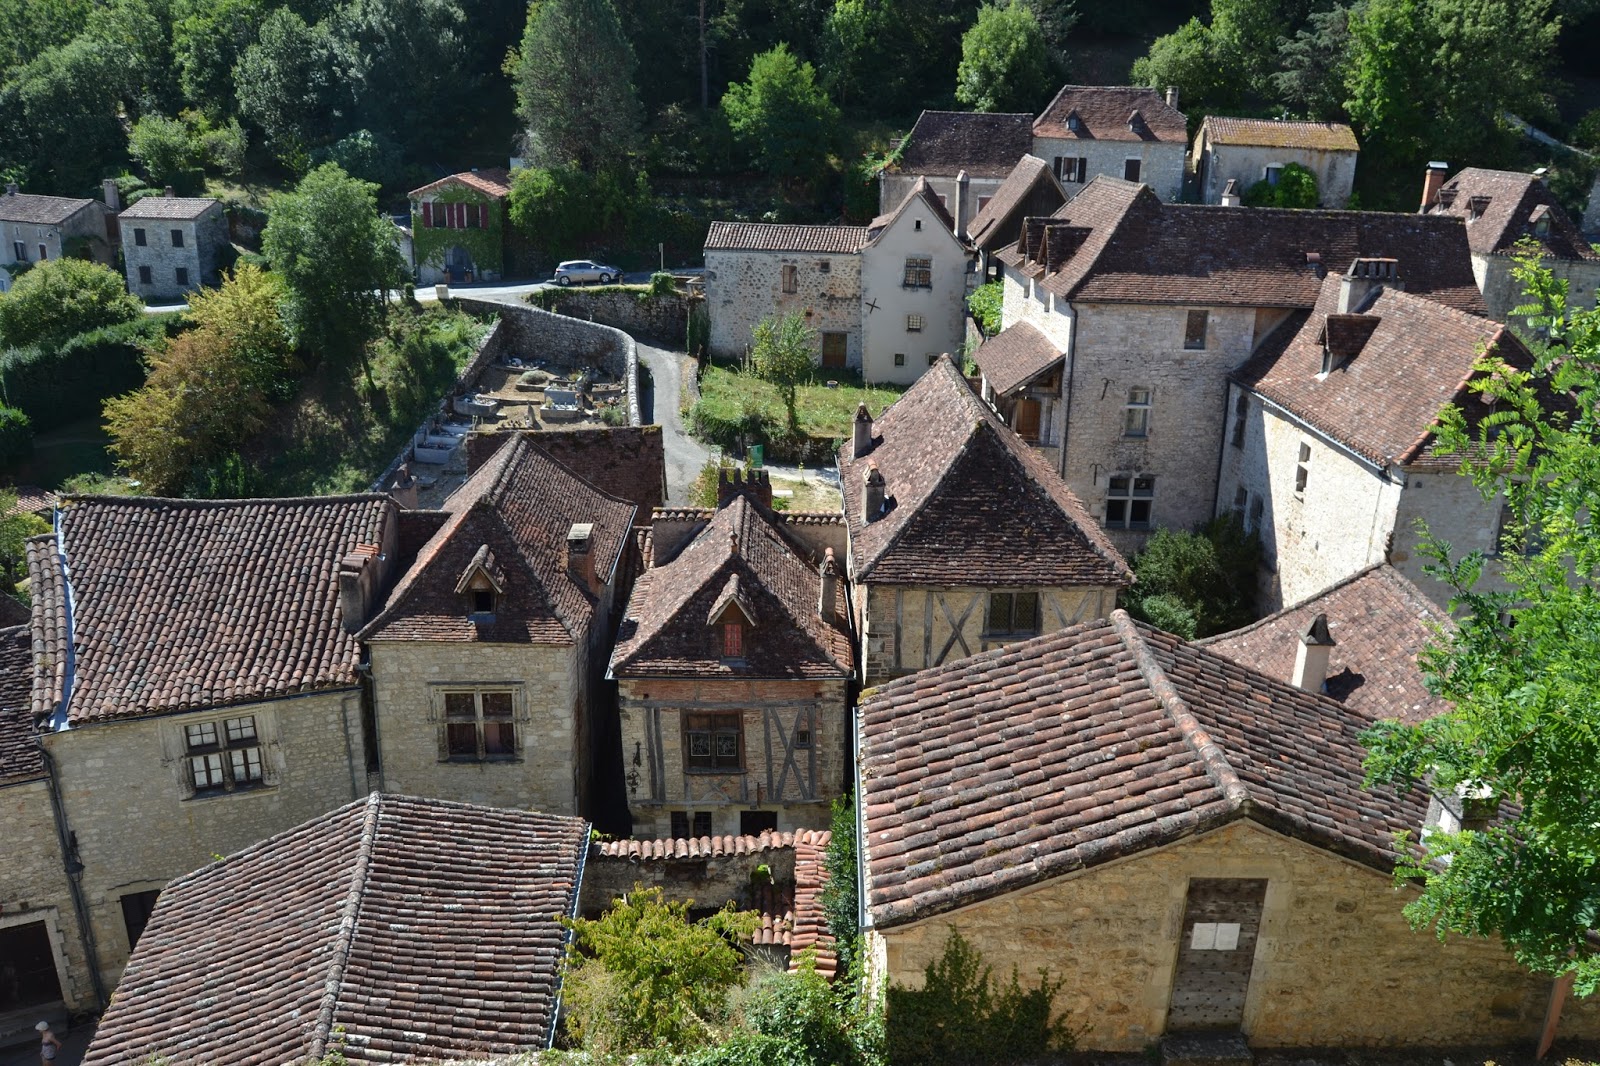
200	254
88	224
1160	162
1247	164
34	887
663	320
891	349
1336	964
126	791
742	288
907	629
653	755
1454	511
1502	292
707	882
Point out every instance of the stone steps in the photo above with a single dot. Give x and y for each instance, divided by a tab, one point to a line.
1206	1049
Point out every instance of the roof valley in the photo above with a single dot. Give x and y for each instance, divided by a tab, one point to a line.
333	988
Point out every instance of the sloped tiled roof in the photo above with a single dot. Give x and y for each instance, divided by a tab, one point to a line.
1508	202
491	181
967	502
944	143
20	757
675	850
1281	133
1102	740
421	929
41	210
1380	623
768	237
1383	402
1103	111
521	503
667	630
179	604
1015	356
628	462
1030	184
168	208
1140	250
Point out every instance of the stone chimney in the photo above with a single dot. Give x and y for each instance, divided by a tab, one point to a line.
108	193
963	192
358	581
861	435
403	489
1311	657
169	193
731	482
1230	194
1172	97
580	556
829	593
11	188
871	494
1432	182
1363	277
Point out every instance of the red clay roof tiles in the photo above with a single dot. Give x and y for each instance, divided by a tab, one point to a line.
1103	112
20	757
767	237
628	462
1030	185
1506	202
491	181
1015	356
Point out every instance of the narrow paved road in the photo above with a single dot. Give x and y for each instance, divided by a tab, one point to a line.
659	402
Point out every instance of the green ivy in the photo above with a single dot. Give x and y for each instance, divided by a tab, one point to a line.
486	246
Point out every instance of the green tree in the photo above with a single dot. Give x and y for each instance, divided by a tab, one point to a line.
782	352
1205	577
1004	66
58	118
338	259
782	116
643	976
409	69
1313	65
1191	59
1523	665
136	34
246	312
860	65
801	1007
60	298
575	89
29	27
286	86
1246	34
565	207
164	147
208	39
986	305
1296	187
366	155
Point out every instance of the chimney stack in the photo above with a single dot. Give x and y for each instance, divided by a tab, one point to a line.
1172	97
11	188
1311	658
1363	277
871	494
108	193
861	437
731	482
169	193
830	588
580	555
963	192
357	577
1230	194
403	489
1432	182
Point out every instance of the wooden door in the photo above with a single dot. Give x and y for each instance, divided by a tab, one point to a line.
833	349
1220	922
1026	419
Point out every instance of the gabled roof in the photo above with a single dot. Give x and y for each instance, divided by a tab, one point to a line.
1383	402
1280	133
181	604
1031	187
42	210
741	557
1380	623
1103	112
1507	202
491	181
967	502
1102	740
628	462
420	929
1015	356
767	237
1136	249
919	191
519	505
20	757
944	143
169	208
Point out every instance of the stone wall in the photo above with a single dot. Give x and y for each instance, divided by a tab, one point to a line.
1335	170
1454	511
709	881
742	288
559	341
663	320
962	203
1336	963
1502	292
200	254
34	886
1160	162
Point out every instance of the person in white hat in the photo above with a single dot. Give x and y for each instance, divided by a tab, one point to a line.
48	1044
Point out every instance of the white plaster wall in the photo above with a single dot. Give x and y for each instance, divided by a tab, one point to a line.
886	301
742	288
1335	171
1160	162
1025	300
893	188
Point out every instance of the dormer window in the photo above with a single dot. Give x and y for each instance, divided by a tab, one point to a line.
483	601
481	585
1074	123
1476	206
728	619
1540	220
733	640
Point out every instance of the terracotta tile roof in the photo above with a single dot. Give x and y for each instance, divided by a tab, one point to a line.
1015	356
42	210
1380	622
1103	112
169	208
1098	741
742	556
1135	249
676	850
967	502
809	927
1030	188
944	143
1506	203
491	181
178	604
421	929
766	237
1279	133
628	462
521	505
1383	402
31	499
20	758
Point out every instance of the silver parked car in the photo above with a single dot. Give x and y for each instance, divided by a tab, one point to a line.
584	270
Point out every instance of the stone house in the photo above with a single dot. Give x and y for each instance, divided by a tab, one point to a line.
733	666
1249	150
1150	307
961	537
885	299
172	245
485	658
1329	451
1119	131
458	227
34	228
364	931
1029	191
1503	210
963	157
1184	842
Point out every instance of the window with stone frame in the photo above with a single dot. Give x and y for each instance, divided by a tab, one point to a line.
479	725
824	266
139	238
919	272
713	742
1302	470
1072	169
1130	499
182	275
1130	169
223	755
1241	500
1012	614
1194	330
19	251
914	323
791	278
177	238
1136	413
1241	410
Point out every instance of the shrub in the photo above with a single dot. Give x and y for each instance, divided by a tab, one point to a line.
800	1006
57	385
662	283
984	303
16	435
1296	188
841	899
752	1049
60	298
1204	578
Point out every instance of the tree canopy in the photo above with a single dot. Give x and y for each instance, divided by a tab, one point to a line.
60	298
782	353
1004	65
575	89
782	116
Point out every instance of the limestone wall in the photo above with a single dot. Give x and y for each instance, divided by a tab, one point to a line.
1247	164
34	886
200	253
661	319
707	882
742	288
1336	963
963	204
892	349
1454	511
1160	162
1502	292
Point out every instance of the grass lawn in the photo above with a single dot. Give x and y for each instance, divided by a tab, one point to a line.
824	412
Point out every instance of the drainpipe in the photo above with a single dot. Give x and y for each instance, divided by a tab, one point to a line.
863	914
566	940
1072	360
74	871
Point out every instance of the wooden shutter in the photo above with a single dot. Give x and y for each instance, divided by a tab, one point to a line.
1026	421
483	216
427	215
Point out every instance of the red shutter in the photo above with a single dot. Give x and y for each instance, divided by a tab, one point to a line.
483	216
461	216
427	215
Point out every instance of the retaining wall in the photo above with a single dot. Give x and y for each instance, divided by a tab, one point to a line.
661	319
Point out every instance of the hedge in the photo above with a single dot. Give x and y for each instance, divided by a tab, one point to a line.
16	435
54	386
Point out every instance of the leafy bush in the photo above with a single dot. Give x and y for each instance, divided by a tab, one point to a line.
752	1049
60	298
1296	187
841	897
984	303
1203	580
800	1006
366	155
16	435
